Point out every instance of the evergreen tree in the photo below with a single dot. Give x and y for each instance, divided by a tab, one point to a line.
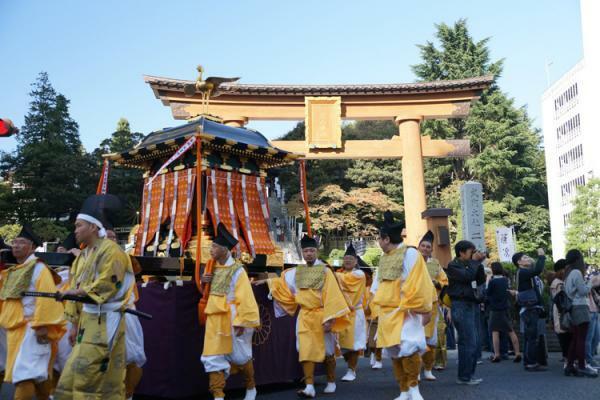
506	153
127	183
50	170
583	232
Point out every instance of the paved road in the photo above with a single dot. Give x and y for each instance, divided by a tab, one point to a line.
504	381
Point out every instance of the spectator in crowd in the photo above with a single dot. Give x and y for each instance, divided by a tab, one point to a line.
498	299
593	335
465	275
529	297
578	291
558	285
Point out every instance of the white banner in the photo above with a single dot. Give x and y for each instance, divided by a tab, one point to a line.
186	146
506	243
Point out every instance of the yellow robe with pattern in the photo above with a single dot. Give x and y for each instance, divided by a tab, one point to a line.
437	274
217	336
96	368
316	308
395	298
354	288
48	313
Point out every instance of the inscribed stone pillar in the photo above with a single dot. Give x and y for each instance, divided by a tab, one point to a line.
471	203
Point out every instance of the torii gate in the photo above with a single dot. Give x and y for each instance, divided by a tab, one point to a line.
323	107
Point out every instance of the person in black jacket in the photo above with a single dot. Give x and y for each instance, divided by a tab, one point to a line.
527	276
465	275
498	297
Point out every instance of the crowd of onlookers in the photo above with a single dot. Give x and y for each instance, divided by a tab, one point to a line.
488	306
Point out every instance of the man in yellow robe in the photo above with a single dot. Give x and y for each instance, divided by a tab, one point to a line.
323	309
231	317
68	245
439	280
33	325
402	302
102	272
353	339
135	356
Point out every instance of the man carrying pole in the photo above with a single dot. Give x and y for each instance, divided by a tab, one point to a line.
231	316
102	272
323	309
33	326
402	302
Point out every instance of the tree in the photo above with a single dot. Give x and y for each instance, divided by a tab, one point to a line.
506	153
50	231
127	183
583	232
351	213
383	175
507	157
50	169
318	173
7	211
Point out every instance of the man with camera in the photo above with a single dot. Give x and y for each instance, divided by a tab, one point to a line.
466	276
529	297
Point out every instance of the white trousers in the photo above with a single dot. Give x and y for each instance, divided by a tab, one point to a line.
412	338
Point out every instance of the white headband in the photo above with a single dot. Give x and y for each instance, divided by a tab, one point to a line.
92	220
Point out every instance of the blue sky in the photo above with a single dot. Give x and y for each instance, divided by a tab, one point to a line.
97	51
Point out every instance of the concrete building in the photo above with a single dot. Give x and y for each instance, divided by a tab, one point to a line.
571	127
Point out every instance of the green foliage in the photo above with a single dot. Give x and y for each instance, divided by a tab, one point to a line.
46	229
384	176
50	167
49	231
7	211
335	254
583	232
356	212
506	154
372	256
127	183
460	57
9	231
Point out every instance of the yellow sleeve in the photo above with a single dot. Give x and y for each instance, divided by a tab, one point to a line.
112	267
353	287
335	306
48	312
72	308
247	314
281	293
2	278
417	292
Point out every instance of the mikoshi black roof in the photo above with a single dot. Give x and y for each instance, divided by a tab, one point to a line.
215	136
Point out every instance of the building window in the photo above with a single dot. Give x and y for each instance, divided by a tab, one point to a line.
568	190
566	100
568	130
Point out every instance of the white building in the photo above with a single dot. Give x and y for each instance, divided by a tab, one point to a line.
571	127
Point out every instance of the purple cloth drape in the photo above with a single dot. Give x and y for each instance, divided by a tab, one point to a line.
173	342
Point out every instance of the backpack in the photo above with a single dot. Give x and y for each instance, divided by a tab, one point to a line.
563	302
529	297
